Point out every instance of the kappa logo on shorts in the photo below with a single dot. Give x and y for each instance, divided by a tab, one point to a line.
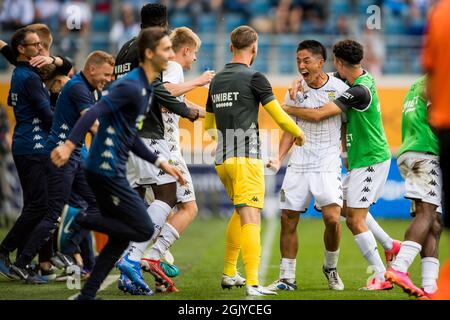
370	169
187	192
432	183
255	199
432	193
173	148
368	179
157	152
433	172
363	199
340	198
365	189
161	173
282	195
436	163
340	188
153	142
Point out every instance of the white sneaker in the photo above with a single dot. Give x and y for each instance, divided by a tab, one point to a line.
334	281
283	284
229	282
259	291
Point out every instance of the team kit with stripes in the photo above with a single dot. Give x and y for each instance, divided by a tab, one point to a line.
132	182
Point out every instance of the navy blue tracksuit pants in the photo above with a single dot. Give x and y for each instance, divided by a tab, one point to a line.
60	183
123	218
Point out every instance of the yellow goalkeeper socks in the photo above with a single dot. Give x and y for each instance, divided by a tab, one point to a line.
251	251
233	245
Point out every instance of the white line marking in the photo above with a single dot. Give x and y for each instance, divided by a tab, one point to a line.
108	281
268	239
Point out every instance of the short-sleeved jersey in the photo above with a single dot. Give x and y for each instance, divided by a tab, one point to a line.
127	59
234	97
416	132
128	99
365	138
173	74
29	97
76	96
321	151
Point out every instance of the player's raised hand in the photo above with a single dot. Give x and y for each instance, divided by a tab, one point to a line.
295	87
174	172
61	154
206	77
300	140
273	164
40	61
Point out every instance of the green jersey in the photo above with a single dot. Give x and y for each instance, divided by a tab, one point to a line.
416	132
365	139
234	97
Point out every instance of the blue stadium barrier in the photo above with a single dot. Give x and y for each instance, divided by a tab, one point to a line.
212	199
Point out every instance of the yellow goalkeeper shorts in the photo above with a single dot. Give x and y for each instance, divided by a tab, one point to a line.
243	179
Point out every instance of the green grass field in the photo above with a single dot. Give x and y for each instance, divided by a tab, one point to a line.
199	255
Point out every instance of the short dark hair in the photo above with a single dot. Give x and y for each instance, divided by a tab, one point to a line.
243	37
154	15
149	39
314	47
18	38
350	51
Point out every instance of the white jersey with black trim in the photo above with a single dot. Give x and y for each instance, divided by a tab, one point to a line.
321	152
174	74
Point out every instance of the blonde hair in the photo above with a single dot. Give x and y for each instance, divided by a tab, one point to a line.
98	58
44	34
184	36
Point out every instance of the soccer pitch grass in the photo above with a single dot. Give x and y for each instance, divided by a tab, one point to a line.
199	255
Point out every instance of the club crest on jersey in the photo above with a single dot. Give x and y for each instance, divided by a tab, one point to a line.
331	96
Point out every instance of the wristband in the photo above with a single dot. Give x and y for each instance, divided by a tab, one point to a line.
344	155
160	160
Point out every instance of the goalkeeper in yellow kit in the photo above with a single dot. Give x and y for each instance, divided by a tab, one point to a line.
232	107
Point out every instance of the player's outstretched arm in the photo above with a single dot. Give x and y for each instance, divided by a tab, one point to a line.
314	115
173	104
284	121
179	89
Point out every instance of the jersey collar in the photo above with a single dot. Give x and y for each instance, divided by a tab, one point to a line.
91	88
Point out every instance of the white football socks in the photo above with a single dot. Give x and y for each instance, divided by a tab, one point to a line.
164	241
408	251
430	273
331	259
158	212
382	237
368	246
287	268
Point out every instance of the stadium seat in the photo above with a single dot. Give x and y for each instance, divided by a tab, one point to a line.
259	7
232	21
207	23
339	7
394	65
101	22
181	19
363	5
99	42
